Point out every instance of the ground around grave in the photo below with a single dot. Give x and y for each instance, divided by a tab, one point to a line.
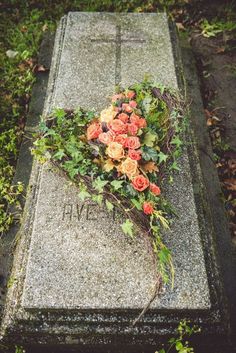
214	45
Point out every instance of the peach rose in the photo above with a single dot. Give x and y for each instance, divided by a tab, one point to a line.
142	123
117	97
140	183
115	150
132	142
132	129
93	131
106	137
121	139
134	154
126	107
148	208
130	94
123	117
155	189
129	167
108	114
117	126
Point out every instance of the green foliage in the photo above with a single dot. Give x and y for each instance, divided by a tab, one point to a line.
127	228
179	343
216	27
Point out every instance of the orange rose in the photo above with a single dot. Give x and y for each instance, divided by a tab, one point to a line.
132	142
136	155
93	131
148	208
140	183
115	150
121	139
123	117
132	129
130	94
155	189
140	122
129	167
106	137
117	126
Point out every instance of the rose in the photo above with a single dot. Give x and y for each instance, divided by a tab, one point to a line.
132	142
133	104
155	189
136	155
115	150
106	137
93	131
130	94
126	107
140	122
117	126
129	167
108	114
123	117
117	97
140	183
121	139
132	129
148	208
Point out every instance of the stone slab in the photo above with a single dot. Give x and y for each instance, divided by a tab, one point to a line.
87	262
70	287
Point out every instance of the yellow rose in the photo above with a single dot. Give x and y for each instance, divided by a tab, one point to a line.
129	167
115	150
108	114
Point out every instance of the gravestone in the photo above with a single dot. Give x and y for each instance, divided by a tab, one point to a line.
78	280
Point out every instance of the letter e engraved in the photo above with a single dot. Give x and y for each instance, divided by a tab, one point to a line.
90	217
67	211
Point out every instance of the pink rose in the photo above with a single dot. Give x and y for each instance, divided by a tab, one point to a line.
133	104
140	183
126	107
148	208
130	94
134	154
155	189
132	129
132	142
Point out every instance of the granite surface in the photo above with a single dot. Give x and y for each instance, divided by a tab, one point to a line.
78	257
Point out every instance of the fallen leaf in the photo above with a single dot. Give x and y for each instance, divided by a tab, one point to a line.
11	54
150	167
230	184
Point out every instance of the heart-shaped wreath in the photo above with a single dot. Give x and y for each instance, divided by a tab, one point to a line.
122	156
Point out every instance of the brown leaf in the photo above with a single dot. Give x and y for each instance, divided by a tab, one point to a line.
40	68
150	167
230	184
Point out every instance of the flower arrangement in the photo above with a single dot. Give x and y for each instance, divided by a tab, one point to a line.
121	157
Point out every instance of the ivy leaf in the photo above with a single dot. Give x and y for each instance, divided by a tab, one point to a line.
162	157
178	346
174	166
149	139
109	205
99	184
83	195
127	227
117	184
149	153
59	155
176	141
98	199
137	204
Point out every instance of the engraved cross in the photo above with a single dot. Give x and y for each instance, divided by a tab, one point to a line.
118	40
